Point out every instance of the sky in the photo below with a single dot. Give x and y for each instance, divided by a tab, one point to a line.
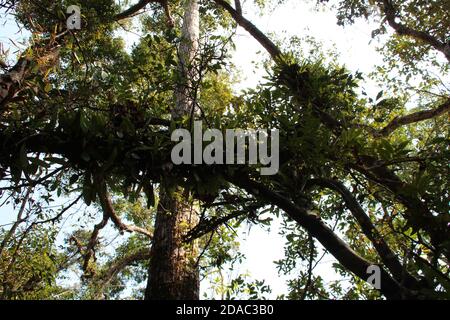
296	17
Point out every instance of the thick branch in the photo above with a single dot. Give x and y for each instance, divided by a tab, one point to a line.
259	36
418	212
117	266
238	6
133	10
90	250
387	255
401	29
11	82
18	221
318	229
275	52
415	117
108	208
207	226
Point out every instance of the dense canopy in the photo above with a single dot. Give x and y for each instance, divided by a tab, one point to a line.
99	211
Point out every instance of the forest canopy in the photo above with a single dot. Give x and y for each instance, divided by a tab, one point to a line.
96	208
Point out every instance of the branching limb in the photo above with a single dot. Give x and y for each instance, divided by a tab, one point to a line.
18	221
134	10
310	267
259	36
387	255
415	117
61	213
318	229
388	9
108	209
238	6
11	82
205	227
93	241
118	266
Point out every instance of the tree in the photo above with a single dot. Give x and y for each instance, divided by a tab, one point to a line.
97	125
173	272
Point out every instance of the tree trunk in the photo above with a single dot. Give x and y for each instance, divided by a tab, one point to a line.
173	272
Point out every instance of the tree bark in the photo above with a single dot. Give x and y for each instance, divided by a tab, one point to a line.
173	272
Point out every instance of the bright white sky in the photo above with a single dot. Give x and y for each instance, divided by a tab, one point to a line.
297	17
